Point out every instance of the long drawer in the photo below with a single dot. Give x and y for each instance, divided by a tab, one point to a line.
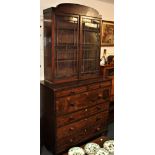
77	127
84	134
77	102
84	113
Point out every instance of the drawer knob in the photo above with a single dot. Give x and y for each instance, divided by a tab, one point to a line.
85	119
98	129
71	104
71	118
86	93
68	98
85	130
71	129
72	92
100	95
71	140
86	110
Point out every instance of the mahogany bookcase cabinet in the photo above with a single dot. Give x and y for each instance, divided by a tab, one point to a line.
71	43
74	96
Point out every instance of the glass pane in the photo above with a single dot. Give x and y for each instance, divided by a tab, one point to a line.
66	44
66	68
90	46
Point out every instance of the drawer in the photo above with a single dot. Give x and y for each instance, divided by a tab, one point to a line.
77	102
77	127
67	119
71	91
83	135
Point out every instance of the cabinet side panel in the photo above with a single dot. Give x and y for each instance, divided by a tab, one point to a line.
47	46
47	118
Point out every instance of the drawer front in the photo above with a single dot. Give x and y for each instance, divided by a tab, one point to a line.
77	127
67	119
77	102
71	91
84	134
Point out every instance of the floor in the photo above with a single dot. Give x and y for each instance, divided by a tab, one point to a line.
110	134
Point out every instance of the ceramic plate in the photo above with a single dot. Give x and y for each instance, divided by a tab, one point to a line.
76	151
91	148
109	146
102	151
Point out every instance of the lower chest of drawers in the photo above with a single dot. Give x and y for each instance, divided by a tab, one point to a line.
75	115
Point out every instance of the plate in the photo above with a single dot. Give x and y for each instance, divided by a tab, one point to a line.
109	146
102	151
76	151
91	148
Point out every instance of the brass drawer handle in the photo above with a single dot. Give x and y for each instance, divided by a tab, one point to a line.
85	119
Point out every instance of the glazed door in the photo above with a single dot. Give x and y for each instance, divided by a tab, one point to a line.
66	47
90	47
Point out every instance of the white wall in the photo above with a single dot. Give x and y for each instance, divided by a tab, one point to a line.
105	9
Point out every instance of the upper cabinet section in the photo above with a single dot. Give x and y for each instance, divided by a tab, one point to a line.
71	43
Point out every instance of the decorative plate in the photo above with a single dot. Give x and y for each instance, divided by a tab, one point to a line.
91	148
76	151
109	146
102	151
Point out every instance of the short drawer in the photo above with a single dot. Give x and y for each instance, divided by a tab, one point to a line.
77	127
72	91
67	119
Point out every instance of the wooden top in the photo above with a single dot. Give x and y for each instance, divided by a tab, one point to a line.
72	8
99	141
73	84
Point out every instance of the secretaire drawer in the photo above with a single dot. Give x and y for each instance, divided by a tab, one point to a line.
69	118
72	91
77	102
